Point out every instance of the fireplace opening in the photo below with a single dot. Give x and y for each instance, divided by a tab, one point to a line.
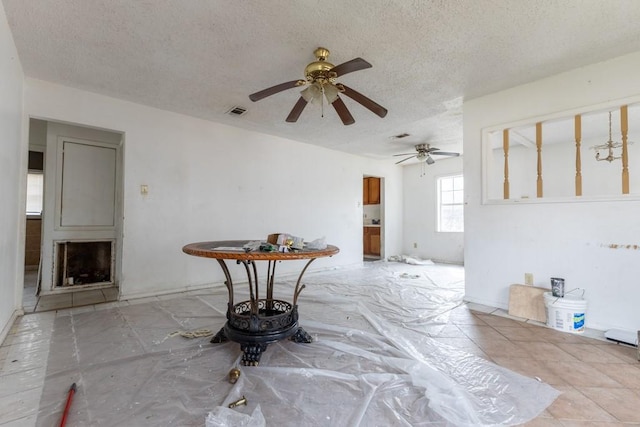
84	263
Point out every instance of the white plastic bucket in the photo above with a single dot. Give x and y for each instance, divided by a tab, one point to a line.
566	314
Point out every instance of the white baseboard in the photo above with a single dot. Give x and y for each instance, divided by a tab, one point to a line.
181	289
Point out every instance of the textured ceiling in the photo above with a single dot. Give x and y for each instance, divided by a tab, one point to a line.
202	57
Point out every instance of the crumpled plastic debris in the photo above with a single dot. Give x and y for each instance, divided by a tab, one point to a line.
317	244
225	417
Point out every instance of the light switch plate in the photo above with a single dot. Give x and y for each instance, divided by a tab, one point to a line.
528	279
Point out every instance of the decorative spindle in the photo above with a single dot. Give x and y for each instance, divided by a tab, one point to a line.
624	129
578	136
505	148
539	148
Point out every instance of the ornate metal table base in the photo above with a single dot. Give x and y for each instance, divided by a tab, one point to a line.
275	320
258	322
252	352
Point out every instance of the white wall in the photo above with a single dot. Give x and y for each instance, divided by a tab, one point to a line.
574	240
13	165
421	213
209	181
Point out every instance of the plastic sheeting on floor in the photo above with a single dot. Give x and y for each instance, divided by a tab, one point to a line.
372	363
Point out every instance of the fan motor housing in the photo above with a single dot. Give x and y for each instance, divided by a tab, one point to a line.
319	70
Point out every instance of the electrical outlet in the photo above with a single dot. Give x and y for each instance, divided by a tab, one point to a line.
144	189
415	245
528	279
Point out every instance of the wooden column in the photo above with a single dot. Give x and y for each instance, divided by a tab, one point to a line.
578	135
505	148
624	128
539	148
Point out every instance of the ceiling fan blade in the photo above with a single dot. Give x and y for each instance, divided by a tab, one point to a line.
365	102
273	90
355	64
296	111
444	153
404	154
404	160
343	112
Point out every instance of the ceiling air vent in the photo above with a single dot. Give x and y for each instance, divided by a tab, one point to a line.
237	111
400	136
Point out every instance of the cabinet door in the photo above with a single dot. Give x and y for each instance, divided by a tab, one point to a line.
365	191
374	191
366	245
374	241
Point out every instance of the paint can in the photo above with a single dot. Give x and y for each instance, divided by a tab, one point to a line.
566	314
557	287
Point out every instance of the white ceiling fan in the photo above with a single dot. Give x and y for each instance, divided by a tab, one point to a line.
424	152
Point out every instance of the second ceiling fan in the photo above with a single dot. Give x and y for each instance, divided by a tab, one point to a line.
424	152
320	79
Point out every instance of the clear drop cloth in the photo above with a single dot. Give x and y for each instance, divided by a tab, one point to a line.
373	361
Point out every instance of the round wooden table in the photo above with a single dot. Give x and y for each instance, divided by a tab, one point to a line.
262	319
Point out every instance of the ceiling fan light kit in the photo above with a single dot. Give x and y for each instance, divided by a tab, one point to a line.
424	152
321	77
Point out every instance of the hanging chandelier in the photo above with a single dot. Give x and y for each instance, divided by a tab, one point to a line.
608	147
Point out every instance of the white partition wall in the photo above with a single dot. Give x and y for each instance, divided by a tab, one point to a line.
592	244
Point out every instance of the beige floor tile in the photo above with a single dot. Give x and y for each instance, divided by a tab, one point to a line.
481	332
569	423
573	405
110	294
82	309
88	297
626	374
465	344
624	352
500	348
465	318
590	353
530	368
533	323
543	422
580	374
451	331
622	403
517	333
494	320
552	335
505	313
54	302
545	351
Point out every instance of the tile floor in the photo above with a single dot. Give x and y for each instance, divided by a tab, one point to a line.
599	380
33	304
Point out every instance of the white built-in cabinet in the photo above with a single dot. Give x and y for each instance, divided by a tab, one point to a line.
82	208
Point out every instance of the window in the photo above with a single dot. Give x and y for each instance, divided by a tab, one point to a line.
35	191
451	204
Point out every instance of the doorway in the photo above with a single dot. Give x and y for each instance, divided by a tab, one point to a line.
372	218
79	200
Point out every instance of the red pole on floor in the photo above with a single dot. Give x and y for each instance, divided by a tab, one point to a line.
72	391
